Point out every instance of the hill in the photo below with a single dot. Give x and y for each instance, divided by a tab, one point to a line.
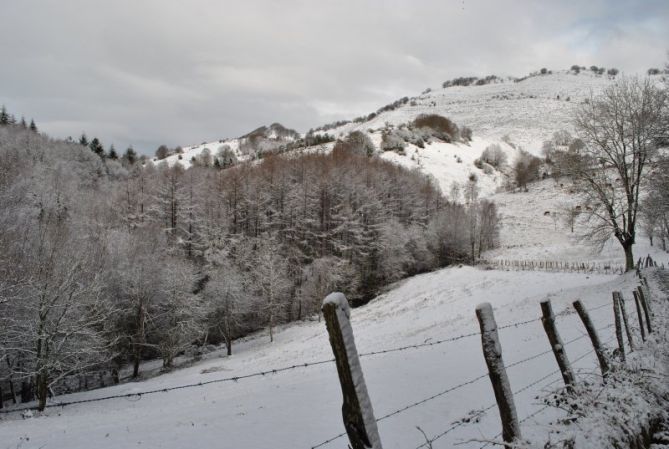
512	113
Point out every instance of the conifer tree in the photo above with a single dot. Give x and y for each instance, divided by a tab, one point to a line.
23	123
96	147
33	127
112	153
83	140
4	117
130	155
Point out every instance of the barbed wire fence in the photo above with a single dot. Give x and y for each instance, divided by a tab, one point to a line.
466	419
476	414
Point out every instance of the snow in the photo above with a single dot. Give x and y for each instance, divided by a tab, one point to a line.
301	408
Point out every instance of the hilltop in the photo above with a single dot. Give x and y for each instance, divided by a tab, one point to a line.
512	113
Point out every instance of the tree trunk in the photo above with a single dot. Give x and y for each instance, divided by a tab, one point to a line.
629	257
42	390
138	341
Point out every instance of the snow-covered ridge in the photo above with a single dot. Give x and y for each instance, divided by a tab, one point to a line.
523	112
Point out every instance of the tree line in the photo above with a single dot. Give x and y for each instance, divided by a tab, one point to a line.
105	262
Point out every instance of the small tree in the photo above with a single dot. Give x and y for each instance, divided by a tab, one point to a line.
4	116
525	169
32	126
130	156
162	152
96	147
112	153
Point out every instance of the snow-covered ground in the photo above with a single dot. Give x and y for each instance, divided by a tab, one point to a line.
533	227
301	408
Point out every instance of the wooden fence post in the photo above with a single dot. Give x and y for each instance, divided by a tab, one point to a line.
619	326
357	409
644	306
492	351
637	303
603	363
621	302
548	320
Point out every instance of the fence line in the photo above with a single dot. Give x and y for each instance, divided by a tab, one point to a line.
261	373
554	266
473	380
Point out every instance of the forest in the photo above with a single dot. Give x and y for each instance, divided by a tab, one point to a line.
106	261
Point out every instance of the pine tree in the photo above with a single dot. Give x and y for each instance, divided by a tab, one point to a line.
4	117
112	153
130	155
96	147
83	140
23	123
33	127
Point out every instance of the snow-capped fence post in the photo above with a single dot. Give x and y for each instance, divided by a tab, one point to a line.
619	326
623	311
357	409
638	312
548	320
592	333
644	306
492	351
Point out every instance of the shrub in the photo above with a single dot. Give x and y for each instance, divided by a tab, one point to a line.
543	70
653	71
162	152
612	72
392	142
575	68
442	127
494	156
466	134
356	142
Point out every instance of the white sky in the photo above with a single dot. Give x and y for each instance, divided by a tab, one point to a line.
146	72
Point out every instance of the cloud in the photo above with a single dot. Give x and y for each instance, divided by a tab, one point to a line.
151	72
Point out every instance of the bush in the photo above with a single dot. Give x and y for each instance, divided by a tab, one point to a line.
494	156
442	127
526	169
575	68
162	152
466	134
356	142
392	142
612	72
653	71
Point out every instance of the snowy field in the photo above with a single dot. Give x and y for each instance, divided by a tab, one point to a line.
529	231
301	408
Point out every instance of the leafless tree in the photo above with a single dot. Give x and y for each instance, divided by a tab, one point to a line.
620	129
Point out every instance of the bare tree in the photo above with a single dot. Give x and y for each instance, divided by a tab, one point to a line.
620	129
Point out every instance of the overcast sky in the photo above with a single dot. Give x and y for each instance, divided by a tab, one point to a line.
175	72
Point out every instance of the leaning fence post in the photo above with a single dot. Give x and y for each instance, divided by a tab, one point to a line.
492	351
646	312
357	409
623	310
619	327
635	294
548	320
603	363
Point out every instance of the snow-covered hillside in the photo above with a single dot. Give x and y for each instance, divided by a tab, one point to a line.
529	111
534	227
525	113
301	408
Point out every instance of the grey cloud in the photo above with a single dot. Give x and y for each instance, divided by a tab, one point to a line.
152	72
